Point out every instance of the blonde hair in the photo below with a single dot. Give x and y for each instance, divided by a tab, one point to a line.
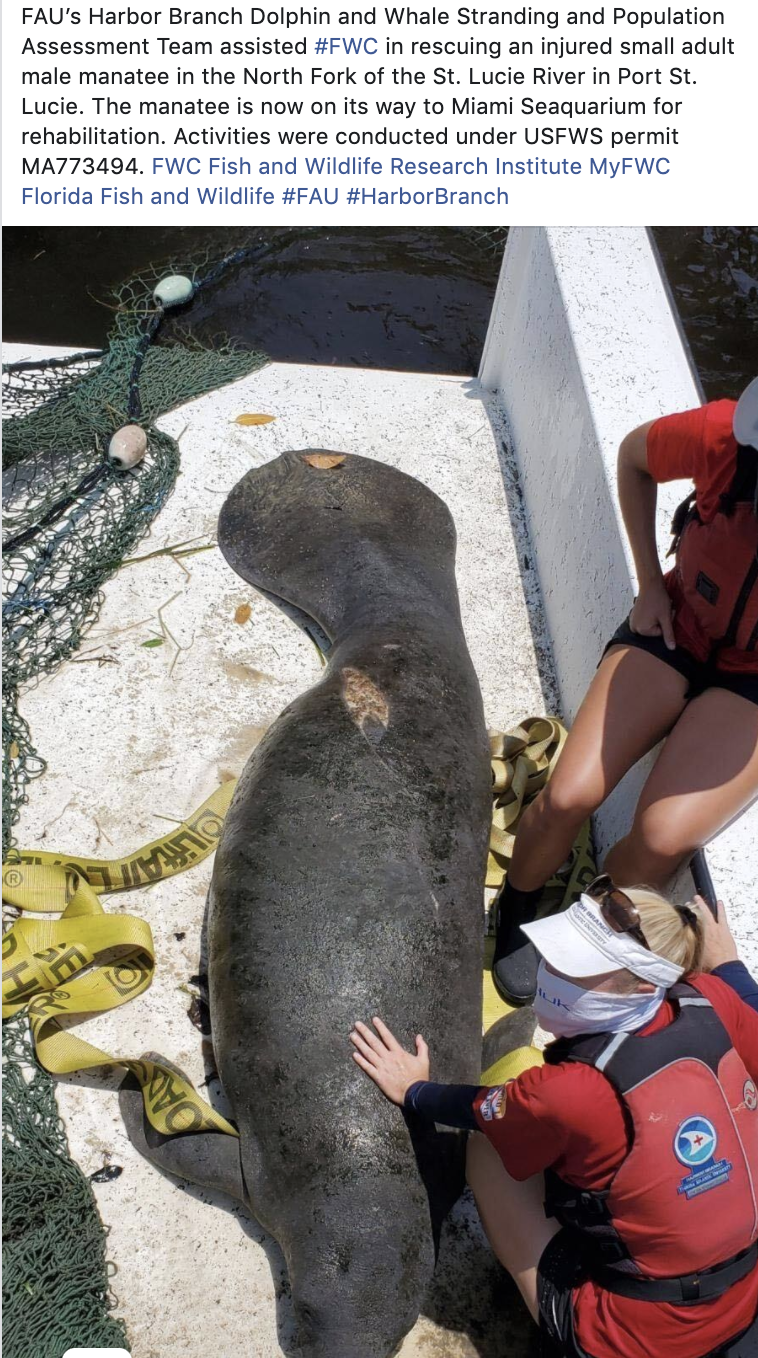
674	932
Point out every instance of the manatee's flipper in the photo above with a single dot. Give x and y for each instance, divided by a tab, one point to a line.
208	1159
508	1034
302	620
441	1159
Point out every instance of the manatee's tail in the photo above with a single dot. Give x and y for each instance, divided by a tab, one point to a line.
507	1047
327	532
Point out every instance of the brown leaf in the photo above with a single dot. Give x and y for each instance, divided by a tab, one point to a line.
324	461
242	613
254	419
13	750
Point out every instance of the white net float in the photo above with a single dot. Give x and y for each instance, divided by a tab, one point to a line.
173	290
127	447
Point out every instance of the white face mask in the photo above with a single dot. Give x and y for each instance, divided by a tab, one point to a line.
567	1010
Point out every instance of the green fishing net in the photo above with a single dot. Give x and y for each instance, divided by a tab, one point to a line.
70	518
55	1277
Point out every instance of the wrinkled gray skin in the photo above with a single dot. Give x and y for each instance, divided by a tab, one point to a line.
348	883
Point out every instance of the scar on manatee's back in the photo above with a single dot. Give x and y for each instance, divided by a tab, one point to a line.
366	704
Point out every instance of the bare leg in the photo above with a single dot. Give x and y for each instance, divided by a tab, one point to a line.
512	1214
632	702
705	775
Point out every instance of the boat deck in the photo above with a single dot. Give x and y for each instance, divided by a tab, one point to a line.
140	740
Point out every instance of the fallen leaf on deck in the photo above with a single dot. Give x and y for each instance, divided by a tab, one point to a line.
254	419
242	613
324	461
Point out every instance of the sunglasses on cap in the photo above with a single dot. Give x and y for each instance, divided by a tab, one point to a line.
618	911
621	914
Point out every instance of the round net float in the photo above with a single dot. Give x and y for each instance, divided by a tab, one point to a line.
173	290
127	447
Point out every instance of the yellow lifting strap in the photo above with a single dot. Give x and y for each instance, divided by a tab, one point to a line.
87	962
523	760
56	969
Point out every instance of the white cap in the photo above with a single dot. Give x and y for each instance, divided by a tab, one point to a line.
745	419
578	942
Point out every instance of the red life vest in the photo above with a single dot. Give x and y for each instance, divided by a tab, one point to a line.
714	585
679	1221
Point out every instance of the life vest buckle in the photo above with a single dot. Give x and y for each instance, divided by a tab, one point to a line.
691	1287
592	1206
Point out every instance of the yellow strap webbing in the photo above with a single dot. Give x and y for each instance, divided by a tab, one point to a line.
523	759
56	969
513	1064
188	844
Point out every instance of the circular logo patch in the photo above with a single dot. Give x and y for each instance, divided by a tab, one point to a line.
493	1106
750	1095
695	1142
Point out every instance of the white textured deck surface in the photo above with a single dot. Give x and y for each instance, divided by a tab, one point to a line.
128	743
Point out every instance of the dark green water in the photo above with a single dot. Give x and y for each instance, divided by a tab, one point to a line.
713	273
394	297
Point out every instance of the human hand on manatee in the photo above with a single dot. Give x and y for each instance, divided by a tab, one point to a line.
390	1066
718	944
652	614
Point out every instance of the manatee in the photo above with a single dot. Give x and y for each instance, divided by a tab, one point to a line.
347	883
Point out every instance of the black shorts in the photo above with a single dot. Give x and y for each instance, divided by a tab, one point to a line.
559	1271
699	674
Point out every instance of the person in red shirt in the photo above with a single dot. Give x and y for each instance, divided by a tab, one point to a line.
683	668
638	1136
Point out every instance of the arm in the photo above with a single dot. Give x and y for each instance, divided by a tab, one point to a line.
451	1105
527	1133
638	495
720	954
737	976
403	1077
739	1018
